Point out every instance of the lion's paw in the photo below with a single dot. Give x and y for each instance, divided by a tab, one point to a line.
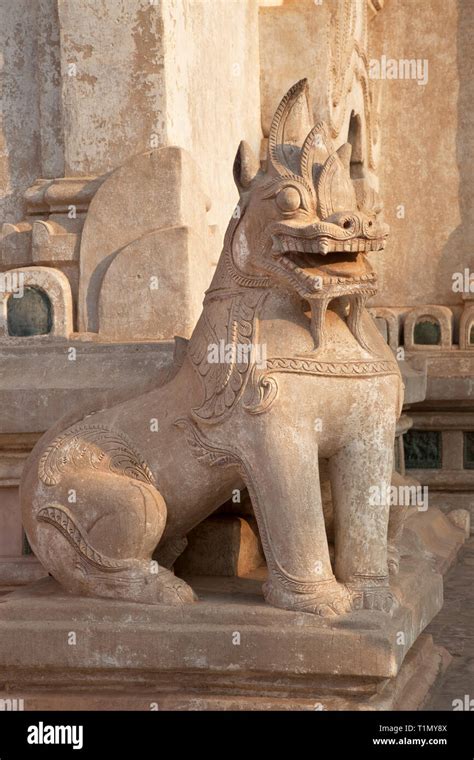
377	598
167	588
331	600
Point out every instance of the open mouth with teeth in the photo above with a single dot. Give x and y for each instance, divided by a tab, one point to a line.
335	261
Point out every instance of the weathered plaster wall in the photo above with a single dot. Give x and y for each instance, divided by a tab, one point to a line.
427	149
213	89
113	90
88	84
19	108
294	43
30	120
48	87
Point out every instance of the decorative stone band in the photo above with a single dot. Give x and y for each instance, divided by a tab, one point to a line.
333	369
58	194
92	447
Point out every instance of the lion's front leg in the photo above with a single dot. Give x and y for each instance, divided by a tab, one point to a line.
360	483
287	500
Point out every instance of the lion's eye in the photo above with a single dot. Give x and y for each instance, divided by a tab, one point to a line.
288	199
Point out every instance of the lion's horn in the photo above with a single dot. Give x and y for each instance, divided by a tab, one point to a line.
246	166
289	127
316	149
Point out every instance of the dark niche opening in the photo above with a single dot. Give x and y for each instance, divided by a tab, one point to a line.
427	332
422	449
29	315
469	450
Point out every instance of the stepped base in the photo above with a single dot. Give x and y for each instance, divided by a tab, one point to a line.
229	651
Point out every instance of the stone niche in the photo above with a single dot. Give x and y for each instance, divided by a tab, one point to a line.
428	326
388	322
466	327
35	301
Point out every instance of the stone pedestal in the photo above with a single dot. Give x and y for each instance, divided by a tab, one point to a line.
228	651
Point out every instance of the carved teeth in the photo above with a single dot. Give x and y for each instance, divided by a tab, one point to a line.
293	244
277	246
288	264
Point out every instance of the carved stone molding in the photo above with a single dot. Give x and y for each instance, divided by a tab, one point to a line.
332	369
57	208
57	195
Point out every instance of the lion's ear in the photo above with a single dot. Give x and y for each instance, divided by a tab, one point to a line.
246	166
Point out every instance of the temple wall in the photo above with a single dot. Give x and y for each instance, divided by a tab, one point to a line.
87	85
427	144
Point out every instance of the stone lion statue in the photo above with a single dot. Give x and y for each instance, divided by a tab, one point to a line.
285	376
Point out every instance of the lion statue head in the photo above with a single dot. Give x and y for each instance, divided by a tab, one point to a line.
304	223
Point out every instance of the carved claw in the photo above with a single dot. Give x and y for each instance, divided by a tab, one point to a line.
331	600
334	599
172	590
376	598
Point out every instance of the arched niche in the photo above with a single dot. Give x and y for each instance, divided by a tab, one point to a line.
30	314
427	331
35	301
387	321
466	328
428	327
